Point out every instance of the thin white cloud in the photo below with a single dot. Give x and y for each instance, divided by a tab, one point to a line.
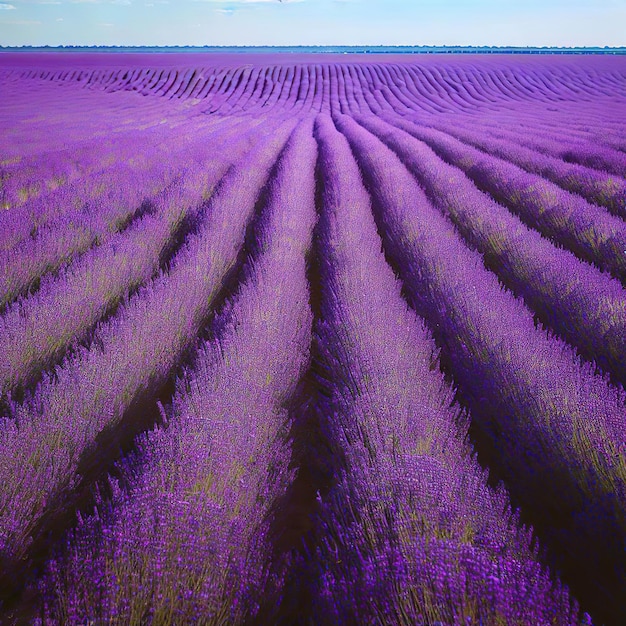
6	7
119	2
249	1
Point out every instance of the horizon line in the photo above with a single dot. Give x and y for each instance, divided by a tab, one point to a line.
322	46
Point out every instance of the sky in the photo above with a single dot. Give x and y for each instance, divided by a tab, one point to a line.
313	22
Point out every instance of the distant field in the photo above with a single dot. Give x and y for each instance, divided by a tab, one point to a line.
312	339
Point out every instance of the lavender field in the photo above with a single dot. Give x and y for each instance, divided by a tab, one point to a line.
316	339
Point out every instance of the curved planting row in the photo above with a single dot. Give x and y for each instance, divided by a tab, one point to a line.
464	83
410	532
596	186
134	155
33	334
65	433
546	425
76	220
590	153
195	511
36	176
581	304
62	147
586	229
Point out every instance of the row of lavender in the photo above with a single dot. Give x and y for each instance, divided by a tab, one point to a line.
591	145
546	88
563	463
459	83
39	329
147	336
208	479
145	554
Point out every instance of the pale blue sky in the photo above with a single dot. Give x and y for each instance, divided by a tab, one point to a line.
313	22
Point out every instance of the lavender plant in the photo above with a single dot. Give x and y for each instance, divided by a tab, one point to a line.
549	427
411	533
33	335
67	432
584	306
77	219
587	230
188	542
596	186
